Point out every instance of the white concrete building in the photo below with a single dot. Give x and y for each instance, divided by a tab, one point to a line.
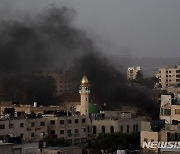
75	129
27	129
169	76
132	72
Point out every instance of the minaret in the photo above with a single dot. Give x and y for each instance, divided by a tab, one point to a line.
84	91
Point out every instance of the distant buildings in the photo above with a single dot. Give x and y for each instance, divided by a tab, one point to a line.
77	122
167	129
132	72
63	81
169	76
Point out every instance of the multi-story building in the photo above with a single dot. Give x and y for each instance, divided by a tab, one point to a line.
63	81
174	90
170	108
166	130
78	127
28	129
132	72
169	76
75	129
28	109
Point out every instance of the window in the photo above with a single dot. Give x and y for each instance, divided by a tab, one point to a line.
69	141
121	128
83	130
112	129
83	140
69	121
177	111
94	129
76	121
42	123
76	141
137	128
83	120
61	131
62	122
43	133
134	128
69	132
103	129
2	126
21	135
11	126
21	125
88	128
32	134
52	122
127	128
76	130
32	124
52	132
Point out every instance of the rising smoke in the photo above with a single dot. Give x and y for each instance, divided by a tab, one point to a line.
51	43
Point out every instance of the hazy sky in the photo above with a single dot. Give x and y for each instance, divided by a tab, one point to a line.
142	27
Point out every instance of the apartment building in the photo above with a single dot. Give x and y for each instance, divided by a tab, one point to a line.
166	129
27	129
28	109
132	72
63	81
169	76
75	129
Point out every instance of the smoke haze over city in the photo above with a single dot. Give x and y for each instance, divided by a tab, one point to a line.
146	28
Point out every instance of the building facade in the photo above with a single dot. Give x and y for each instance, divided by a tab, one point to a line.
169	76
132	72
63	81
75	129
27	129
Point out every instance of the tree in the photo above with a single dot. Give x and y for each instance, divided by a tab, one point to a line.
115	141
54	142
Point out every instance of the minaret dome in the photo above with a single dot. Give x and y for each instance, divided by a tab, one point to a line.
84	80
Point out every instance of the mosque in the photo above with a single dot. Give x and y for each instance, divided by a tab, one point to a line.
85	122
105	121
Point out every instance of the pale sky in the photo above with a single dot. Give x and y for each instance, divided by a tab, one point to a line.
145	27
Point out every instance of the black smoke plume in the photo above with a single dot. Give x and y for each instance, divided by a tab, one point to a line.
51	43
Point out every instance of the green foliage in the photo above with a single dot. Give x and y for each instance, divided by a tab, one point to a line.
54	142
115	141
